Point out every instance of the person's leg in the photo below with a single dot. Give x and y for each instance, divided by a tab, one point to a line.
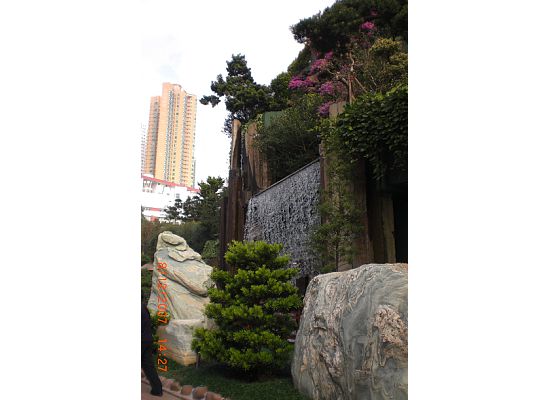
149	368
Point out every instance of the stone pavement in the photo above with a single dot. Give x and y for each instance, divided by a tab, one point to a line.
172	390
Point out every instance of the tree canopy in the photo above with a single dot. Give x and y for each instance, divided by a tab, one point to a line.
205	207
332	29
244	98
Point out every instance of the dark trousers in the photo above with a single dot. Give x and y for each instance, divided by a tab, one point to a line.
149	367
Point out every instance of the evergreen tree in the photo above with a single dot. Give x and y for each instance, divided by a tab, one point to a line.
244	98
174	213
205	207
252	310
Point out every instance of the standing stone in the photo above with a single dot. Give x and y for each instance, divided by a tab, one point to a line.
187	279
185	294
352	341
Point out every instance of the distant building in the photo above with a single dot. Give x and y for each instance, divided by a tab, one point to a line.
143	146
170	147
157	194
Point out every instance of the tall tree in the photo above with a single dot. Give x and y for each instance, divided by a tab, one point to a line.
244	98
205	207
174	213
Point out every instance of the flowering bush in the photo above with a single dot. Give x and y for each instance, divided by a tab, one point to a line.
326	88
368	26
324	109
297	83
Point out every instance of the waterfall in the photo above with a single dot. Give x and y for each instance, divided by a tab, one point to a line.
287	212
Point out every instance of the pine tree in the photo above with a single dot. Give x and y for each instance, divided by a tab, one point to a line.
252	310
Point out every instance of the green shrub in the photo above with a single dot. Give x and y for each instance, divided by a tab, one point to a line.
210	252
156	321
251	310
146	281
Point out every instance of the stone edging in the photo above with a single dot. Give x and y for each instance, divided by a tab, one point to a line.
185	392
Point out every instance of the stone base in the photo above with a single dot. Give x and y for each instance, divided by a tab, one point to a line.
179	334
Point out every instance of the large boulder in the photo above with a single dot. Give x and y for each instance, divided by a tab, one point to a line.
179	335
180	286
187	279
352	341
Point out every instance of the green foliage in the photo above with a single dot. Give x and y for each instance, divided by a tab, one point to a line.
289	141
146	258
280	92
385	67
174	213
301	62
333	29
156	321
222	380
251	310
210	252
375	128
334	239
244	98
205	207
146	282
194	233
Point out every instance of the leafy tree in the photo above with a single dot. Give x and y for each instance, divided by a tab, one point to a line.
385	66
333	29
205	208
289	141
251	310
244	98
174	213
349	51
281	93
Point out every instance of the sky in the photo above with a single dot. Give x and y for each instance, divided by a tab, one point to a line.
189	43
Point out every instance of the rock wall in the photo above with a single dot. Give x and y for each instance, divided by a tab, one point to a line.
287	213
352	343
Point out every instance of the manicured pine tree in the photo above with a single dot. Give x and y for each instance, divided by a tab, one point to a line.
251	309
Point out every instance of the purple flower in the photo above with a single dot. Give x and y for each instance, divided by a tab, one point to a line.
374	13
324	109
328	55
296	82
318	65
326	88
369	26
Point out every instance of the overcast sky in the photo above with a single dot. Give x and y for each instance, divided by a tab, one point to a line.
189	43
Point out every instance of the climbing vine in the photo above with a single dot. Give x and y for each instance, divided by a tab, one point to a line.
375	128
334	239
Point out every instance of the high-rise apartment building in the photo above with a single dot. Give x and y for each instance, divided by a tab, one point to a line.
143	146
170	150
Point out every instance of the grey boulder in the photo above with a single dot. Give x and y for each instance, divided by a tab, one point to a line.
352	343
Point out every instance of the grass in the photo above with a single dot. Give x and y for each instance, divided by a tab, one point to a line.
221	380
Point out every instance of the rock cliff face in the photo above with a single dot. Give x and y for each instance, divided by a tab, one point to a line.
352	341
